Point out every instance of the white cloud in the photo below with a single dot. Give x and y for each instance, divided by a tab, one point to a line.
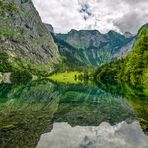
103	15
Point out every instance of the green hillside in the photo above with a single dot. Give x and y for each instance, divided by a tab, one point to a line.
68	57
133	68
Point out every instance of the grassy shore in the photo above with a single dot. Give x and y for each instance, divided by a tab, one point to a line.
67	77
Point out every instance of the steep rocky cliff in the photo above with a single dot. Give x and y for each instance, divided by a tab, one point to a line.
25	38
49	27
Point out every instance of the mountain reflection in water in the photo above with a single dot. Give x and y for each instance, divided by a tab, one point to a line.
29	110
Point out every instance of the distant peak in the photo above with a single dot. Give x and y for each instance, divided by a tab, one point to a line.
128	34
112	32
73	30
84	31
49	27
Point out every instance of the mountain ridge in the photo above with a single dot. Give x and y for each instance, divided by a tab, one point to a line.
92	46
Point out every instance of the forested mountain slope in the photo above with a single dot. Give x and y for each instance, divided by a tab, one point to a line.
133	68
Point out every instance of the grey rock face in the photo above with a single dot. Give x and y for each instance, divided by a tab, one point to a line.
125	49
26	36
50	28
83	39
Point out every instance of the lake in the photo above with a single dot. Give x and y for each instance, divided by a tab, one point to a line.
45	113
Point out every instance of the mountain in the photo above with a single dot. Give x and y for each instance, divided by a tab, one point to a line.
49	27
133	68
128	34
94	48
67	52
145	26
70	57
123	51
25	40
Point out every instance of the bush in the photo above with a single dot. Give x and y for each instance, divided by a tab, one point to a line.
5	66
20	77
133	68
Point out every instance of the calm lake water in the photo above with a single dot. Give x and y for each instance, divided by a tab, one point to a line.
46	114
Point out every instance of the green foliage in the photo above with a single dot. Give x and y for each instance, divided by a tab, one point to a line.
7	32
133	68
137	97
18	73
69	61
7	8
137	61
109	72
5	65
8	11
20	77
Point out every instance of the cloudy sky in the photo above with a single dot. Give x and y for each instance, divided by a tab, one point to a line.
103	15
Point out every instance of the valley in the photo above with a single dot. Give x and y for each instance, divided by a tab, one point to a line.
81	86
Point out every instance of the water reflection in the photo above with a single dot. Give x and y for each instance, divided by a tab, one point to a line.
122	135
26	111
83	105
29	110
137	98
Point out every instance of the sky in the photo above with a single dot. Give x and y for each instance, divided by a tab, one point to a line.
103	15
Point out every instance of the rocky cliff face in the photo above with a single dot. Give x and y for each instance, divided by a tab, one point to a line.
24	36
94	48
49	27
82	39
123	51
